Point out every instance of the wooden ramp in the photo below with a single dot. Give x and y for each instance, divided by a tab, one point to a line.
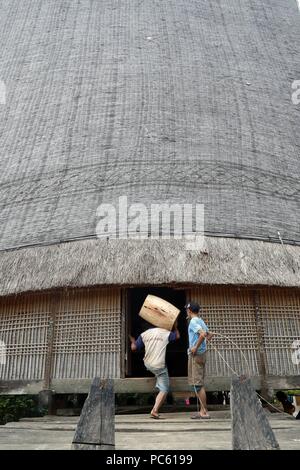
136	432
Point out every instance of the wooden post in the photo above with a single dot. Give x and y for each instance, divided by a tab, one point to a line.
47	397
262	367
96	427
250	427
124	334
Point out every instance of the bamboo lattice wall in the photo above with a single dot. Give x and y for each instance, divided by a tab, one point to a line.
87	332
280	313
232	313
88	335
86	340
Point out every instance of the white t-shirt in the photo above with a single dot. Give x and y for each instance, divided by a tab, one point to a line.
155	341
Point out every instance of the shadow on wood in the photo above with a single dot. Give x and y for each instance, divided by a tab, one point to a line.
96	426
249	423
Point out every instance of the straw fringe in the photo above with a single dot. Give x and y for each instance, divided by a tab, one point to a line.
131	262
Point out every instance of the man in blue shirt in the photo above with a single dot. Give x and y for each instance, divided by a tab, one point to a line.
198	335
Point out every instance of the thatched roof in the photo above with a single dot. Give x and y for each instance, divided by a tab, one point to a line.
99	262
161	100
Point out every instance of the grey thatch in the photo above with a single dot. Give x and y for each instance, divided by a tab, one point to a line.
162	100
120	262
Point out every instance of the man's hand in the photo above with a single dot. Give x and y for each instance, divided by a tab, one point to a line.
202	335
209	335
133	343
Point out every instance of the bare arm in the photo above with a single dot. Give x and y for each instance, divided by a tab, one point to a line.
201	338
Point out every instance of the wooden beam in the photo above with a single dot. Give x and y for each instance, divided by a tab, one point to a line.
250	426
262	363
124	333
138	385
50	341
20	387
96	427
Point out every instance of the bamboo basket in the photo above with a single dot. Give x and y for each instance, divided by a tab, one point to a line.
159	312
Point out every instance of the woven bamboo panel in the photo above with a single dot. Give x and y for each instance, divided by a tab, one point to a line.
23	329
280	313
230	313
88	335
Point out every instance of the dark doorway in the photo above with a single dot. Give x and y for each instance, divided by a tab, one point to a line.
176	352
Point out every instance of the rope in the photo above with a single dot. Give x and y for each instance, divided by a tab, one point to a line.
264	399
225	361
275	408
246	360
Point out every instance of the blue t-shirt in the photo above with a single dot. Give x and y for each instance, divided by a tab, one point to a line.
195	325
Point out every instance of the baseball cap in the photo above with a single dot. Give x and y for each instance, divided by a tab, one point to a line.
193	306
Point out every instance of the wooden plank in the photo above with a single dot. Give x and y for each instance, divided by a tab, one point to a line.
145	385
96	427
288	382
250	426
138	385
20	387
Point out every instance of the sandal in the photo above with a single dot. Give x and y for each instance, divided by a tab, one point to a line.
156	417
197	416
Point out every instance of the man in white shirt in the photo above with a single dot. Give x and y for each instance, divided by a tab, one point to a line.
155	342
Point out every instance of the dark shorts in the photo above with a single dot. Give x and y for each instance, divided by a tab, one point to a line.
196	370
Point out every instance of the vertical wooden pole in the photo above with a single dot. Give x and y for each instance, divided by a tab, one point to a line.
262	364
124	335
48	402
128	331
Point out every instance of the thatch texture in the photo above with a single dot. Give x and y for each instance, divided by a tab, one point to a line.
93	262
161	100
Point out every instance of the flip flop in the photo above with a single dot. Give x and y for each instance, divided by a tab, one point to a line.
156	417
200	417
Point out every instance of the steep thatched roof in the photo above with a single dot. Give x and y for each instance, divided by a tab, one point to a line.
161	100
94	262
